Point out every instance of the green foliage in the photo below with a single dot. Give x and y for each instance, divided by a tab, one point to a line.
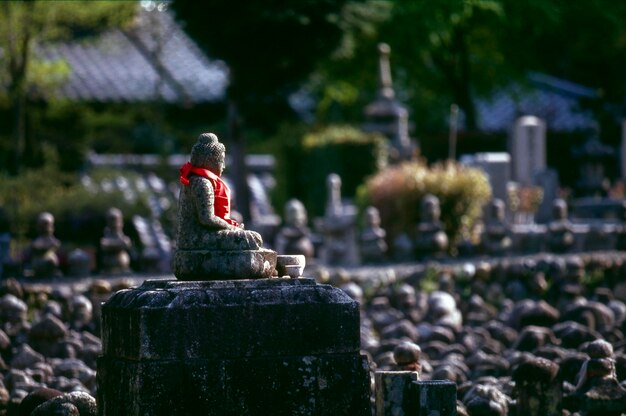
443	51
397	192
25	77
79	212
271	47
455	51
305	157
344	150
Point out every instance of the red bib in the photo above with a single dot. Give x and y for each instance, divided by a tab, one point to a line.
221	206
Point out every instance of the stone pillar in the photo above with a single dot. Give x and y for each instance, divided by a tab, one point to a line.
528	149
400	393
539	393
237	347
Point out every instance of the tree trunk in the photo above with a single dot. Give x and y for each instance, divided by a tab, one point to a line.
240	170
18	51
464	94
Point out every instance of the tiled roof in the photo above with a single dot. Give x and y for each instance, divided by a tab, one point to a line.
153	60
554	100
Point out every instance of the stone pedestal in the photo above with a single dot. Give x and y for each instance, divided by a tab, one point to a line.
223	264
236	347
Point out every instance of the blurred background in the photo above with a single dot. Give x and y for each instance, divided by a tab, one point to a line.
100	101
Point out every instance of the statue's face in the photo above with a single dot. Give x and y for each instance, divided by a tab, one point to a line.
431	211
46	226
221	164
295	215
372	217
115	222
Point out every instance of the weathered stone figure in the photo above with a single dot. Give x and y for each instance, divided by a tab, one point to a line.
597	379
407	356
431	238
560	234
295	237
338	227
115	244
45	261
496	239
372	239
211	245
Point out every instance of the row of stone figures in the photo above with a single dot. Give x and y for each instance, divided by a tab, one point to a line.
114	247
338	240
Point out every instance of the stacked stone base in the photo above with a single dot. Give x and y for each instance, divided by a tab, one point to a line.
247	347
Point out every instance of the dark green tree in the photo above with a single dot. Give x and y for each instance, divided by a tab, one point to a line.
582	41
25	77
270	47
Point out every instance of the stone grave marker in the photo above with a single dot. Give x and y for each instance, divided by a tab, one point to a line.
528	149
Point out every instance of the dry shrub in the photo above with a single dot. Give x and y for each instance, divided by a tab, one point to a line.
397	192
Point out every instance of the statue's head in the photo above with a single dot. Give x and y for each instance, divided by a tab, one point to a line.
431	210
115	220
82	308
559	209
295	213
407	353
209	153
372	217
45	224
497	209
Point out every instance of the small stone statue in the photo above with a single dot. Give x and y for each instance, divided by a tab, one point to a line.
295	237
496	240
210	244
431	239
560	234
45	262
597	376
372	239
81	314
115	244
407	356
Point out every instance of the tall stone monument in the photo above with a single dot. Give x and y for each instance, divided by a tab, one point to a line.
338	227
232	341
387	115
528	149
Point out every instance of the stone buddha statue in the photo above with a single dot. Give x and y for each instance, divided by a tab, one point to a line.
560	233
496	239
45	262
115	244
431	239
210	244
372	242
295	237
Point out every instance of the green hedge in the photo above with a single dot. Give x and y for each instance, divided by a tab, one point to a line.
344	150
